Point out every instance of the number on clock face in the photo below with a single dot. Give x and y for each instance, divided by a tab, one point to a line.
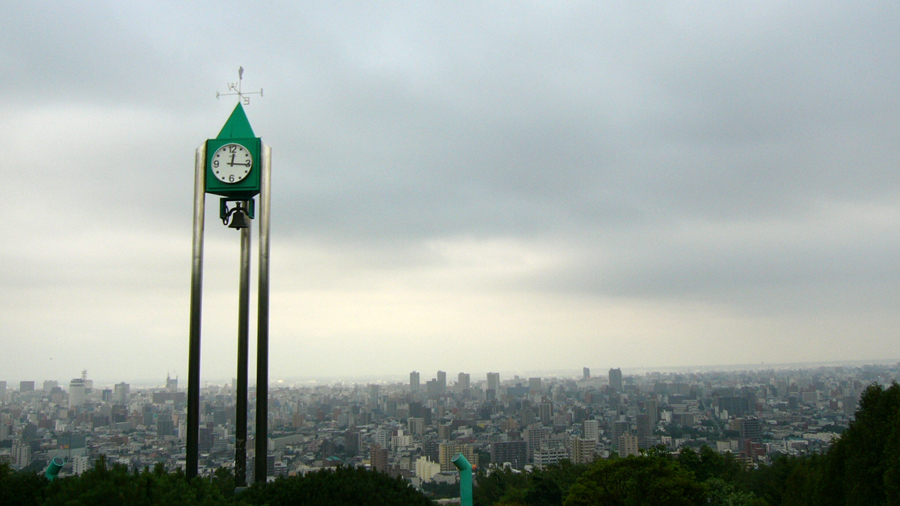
231	163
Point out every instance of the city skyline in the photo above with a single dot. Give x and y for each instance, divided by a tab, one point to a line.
477	378
472	187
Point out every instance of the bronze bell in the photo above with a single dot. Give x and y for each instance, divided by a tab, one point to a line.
239	220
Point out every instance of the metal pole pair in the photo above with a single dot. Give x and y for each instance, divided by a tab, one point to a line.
262	372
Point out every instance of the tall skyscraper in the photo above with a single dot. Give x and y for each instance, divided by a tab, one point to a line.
442	382
493	382
644	431
121	391
26	386
615	379
586	373
462	383
652	408
2	390
414	383
76	392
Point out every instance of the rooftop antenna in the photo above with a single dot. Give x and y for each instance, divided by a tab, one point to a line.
235	89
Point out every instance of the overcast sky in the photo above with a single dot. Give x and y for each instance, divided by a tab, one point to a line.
466	186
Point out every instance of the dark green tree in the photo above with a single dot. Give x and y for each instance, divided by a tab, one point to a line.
114	485
709	463
721	493
635	481
862	466
500	485
21	488
342	486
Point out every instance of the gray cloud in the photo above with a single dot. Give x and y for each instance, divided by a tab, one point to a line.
618	169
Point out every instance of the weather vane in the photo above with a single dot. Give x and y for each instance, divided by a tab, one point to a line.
235	89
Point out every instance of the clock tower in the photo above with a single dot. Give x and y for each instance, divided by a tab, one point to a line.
236	166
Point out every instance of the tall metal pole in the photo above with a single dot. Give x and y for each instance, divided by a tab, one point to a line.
193	394
262	327
240	410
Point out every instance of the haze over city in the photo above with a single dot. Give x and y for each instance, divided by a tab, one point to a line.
476	186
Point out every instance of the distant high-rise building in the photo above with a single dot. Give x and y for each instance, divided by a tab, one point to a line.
651	406
592	429
414	383
615	379
379	458
493	382
76	393
619	428
207	438
432	388
416	425
586	373
426	469
432	450
462	383
80	464
446	452
582	450
644	431
513	452
549	455
21	453
2	391
528	415
534	435
171	383
50	385
547	413
751	429
628	445
442	382
736	406
534	386
26	386
445	431
120	393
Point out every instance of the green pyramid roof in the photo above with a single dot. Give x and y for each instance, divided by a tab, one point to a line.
237	126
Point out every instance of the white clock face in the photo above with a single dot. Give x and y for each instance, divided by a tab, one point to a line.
231	163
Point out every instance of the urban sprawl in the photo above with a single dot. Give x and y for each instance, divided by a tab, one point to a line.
413	429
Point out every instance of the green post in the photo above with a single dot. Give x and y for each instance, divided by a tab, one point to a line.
465	479
53	469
